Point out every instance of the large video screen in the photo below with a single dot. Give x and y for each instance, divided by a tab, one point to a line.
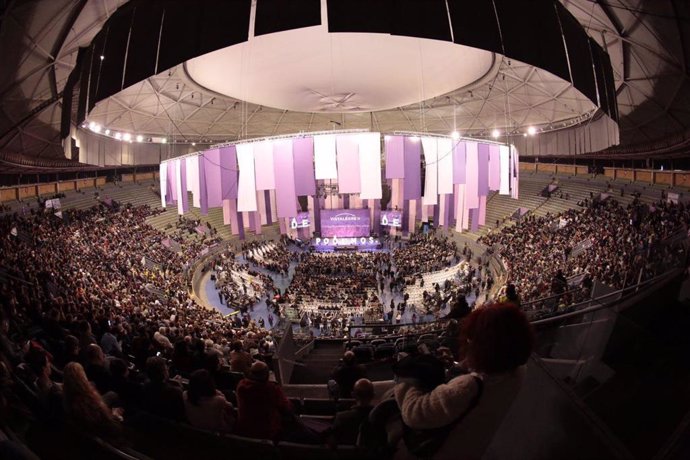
344	222
391	218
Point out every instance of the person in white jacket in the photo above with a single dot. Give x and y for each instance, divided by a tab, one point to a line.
496	342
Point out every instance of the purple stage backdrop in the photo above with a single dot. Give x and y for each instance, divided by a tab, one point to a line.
344	222
391	218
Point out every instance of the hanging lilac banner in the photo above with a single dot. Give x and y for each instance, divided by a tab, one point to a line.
347	149
472	176
203	193
370	166
246	187
182	196
192	165
324	157
303	159
286	197
445	165
163	176
228	172
263	165
504	158
494	167
395	157
214	187
483	169
430	150
171	193
459	162
412	189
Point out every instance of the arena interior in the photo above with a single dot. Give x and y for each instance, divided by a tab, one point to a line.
328	229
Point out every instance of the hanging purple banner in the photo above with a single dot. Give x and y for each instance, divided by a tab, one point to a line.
171	183
412	189
459	160
286	198
494	167
347	151
483	169
303	157
228	172
395	157
212	170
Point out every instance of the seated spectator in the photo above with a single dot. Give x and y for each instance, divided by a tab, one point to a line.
95	368
109	343
261	405
85	407
205	406
347	425
498	341
347	373
127	391
159	397
240	360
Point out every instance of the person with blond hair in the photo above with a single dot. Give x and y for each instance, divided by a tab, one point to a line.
85	407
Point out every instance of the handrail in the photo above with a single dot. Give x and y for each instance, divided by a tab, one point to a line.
601	306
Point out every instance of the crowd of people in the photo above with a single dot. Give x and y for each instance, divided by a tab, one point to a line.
79	305
271	255
605	242
425	253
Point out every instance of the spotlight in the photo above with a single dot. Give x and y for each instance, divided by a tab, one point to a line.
127	137
455	135
118	136
140	138
193	144
107	132
92	125
164	140
531	130
495	133
97	128
102	57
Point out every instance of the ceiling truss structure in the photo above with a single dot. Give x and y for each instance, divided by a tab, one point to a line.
647	42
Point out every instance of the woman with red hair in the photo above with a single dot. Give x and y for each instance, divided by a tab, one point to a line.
496	341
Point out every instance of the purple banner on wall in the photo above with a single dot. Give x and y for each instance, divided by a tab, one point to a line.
303	155
344	222
286	198
395	157
483	169
228	172
412	189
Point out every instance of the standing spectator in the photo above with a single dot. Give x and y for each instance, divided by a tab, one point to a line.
347	373
261	405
